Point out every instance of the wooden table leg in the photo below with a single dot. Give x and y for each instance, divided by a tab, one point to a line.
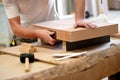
64	46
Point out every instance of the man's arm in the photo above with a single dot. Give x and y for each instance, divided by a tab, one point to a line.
80	9
24	32
13	14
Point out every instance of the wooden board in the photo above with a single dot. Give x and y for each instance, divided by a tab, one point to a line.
45	51
65	31
10	66
46	58
99	58
116	35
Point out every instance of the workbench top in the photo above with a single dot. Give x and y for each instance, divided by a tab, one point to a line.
101	61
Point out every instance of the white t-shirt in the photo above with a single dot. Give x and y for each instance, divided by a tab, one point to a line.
30	11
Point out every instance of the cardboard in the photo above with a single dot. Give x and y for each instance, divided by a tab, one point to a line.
66	32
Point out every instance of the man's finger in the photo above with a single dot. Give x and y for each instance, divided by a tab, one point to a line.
87	26
75	26
52	41
91	25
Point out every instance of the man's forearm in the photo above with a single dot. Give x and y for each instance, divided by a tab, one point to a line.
80	8
19	30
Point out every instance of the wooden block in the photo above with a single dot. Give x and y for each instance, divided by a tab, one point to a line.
23	49
27	48
26	45
65	31
64	46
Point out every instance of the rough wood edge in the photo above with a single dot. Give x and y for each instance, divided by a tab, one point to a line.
68	68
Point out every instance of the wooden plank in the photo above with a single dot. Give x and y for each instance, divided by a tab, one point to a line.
16	52
116	35
101	63
10	66
65	31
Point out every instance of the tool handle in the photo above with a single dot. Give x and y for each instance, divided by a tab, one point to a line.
27	67
49	61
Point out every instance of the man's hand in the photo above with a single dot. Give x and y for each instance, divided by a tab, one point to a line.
45	35
81	23
79	15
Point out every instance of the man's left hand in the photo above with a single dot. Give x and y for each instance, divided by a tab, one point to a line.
81	23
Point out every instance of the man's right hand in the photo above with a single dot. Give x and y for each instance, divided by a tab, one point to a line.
45	35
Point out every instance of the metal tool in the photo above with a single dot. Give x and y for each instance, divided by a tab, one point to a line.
66	56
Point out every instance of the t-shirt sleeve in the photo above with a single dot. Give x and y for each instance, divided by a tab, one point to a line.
11	8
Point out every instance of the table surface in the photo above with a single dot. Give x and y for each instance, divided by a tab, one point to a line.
97	59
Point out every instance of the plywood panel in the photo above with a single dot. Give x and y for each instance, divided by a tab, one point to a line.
65	31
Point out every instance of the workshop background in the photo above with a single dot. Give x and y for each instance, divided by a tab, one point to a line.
111	9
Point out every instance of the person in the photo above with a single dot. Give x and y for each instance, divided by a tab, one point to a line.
22	13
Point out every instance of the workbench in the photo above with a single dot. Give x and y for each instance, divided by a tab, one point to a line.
102	60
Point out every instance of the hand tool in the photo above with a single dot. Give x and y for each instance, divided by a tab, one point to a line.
27	58
66	56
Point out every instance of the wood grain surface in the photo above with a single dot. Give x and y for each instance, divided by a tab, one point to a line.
66	32
100	57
